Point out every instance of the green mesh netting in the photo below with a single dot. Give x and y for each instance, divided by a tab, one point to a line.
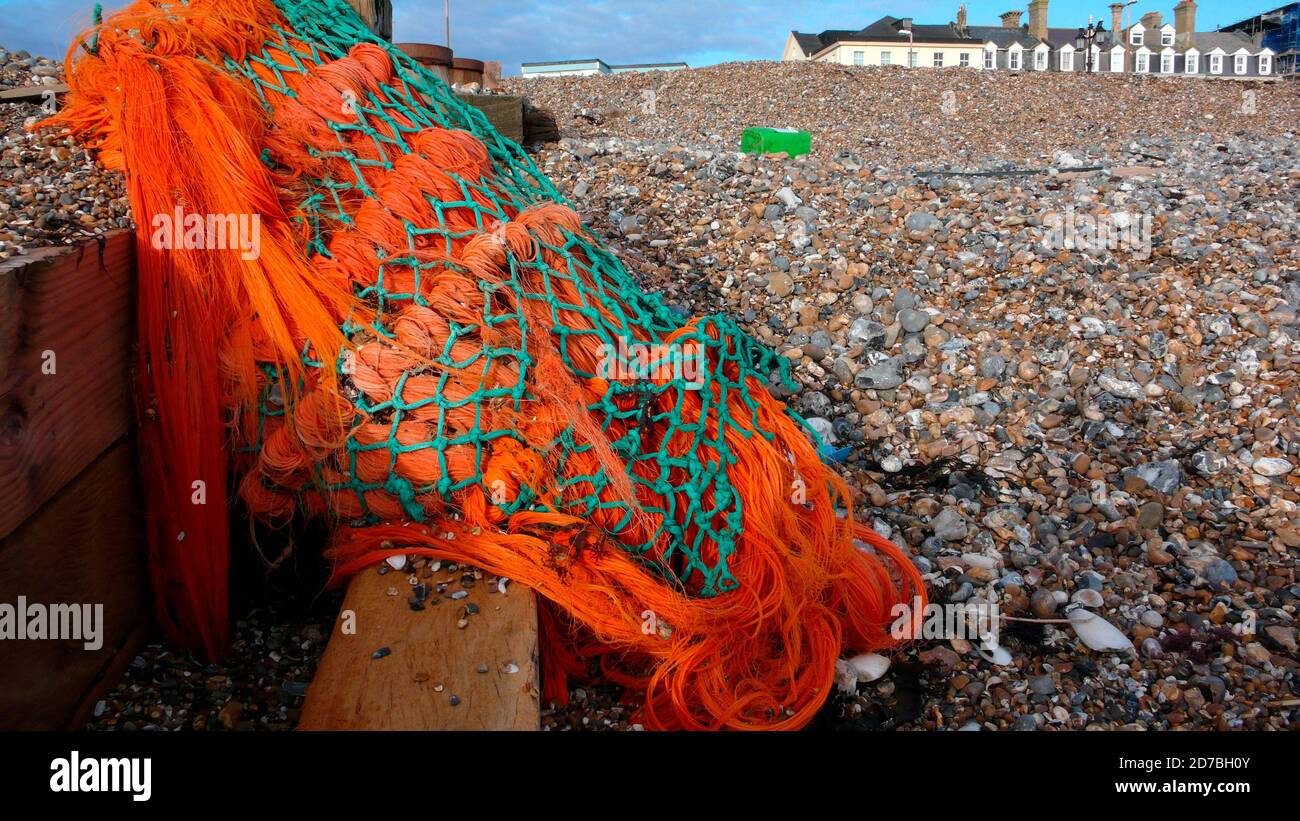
611	301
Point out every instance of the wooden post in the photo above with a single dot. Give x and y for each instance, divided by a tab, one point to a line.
70	532
377	14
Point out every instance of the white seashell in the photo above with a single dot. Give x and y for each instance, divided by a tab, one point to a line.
1097	633
1087	597
993	653
869	666
1060	597
998	655
846	678
396	562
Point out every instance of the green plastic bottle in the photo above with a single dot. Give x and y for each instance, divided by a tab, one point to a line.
775	140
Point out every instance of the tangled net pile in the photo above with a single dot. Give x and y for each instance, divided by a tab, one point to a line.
429	349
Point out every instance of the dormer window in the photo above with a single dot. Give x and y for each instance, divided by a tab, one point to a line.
1135	38
1166	38
1265	64
1013	59
1189	63
1067	61
1239	63
1040	60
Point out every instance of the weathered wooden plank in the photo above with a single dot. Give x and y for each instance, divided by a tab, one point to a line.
67	322
84	546
354	691
504	111
30	94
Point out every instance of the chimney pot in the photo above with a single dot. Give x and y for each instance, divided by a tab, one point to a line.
1011	19
1185	23
1038	18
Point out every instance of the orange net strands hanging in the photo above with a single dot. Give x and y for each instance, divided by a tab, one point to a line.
357	301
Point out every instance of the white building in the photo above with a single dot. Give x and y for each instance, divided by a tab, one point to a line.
591	67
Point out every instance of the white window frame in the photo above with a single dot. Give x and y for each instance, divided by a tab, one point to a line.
1166	36
1240	63
990	57
1096	59
1040	59
1167	61
886	58
1135	36
912	58
859	58
938	59
963	60
1265	64
1013	58
1117	60
1066	63
1142	64
1216	63
1192	62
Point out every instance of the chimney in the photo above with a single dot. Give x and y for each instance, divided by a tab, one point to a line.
1184	22
1038	18
1151	20
1117	21
1011	19
961	16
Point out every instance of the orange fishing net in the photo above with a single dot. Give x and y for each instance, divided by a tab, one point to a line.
402	327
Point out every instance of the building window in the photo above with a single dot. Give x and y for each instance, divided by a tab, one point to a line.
1216	63
1189	64
1117	61
886	58
1265	64
1134	38
963	60
1166	38
1013	60
859	58
1142	63
1067	61
1166	64
1239	63
911	59
1040	60
938	59
989	59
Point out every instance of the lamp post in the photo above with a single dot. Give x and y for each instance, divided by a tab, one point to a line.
910	42
1084	39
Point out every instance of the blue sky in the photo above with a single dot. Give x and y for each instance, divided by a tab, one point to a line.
700	32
